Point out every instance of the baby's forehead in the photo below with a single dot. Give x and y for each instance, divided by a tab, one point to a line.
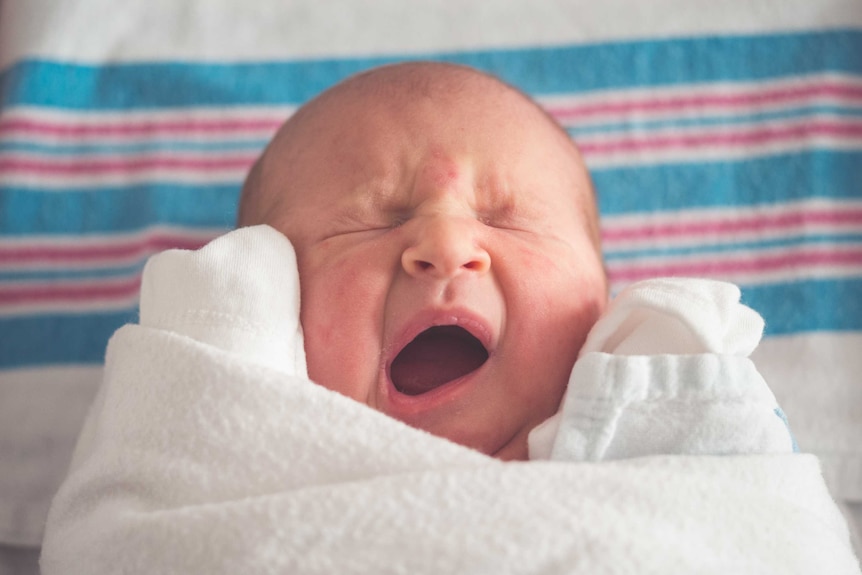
347	112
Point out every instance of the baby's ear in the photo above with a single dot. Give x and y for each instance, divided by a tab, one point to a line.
239	293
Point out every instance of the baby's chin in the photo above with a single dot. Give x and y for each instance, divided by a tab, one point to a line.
470	420
515	450
497	441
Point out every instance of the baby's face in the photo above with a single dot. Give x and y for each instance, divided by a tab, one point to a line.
448	268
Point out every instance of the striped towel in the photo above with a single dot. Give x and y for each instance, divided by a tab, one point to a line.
725	142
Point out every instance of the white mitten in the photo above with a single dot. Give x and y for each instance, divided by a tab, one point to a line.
677	316
239	293
665	370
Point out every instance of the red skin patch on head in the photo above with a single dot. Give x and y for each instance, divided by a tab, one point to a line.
441	171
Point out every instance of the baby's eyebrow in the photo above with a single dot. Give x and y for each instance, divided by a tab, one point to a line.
372	199
382	200
497	201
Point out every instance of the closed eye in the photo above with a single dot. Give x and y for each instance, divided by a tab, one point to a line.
355	229
506	215
354	220
506	224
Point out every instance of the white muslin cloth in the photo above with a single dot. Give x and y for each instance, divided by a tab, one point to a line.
666	371
206	453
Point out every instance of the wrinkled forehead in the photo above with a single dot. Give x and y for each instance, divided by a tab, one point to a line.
398	108
391	112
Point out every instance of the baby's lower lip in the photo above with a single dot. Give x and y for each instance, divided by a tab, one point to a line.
404	407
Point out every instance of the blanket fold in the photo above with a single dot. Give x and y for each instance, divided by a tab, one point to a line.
198	459
202	463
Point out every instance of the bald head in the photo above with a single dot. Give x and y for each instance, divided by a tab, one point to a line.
397	84
411	80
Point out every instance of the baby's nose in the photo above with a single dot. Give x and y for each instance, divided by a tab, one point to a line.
445	247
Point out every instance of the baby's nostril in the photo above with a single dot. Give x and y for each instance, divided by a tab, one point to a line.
424	266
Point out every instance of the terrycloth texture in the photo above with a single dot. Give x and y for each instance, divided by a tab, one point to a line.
688	389
198	459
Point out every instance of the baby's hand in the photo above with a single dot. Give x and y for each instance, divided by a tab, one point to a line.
239	293
676	316
619	407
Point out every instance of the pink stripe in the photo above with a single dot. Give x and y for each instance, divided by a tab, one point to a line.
130	127
764	96
60	253
92	167
725	268
759	136
83	292
128	288
739	223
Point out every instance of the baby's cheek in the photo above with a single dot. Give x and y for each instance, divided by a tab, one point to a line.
338	310
559	297
320	344
332	357
535	258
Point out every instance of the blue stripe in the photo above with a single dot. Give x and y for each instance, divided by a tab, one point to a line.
539	71
141	147
731	246
58	339
809	305
767	180
124	209
788	308
703	119
54	273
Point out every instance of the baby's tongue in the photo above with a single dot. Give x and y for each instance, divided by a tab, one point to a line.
437	355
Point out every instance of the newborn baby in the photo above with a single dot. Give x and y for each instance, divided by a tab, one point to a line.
444	241
447	241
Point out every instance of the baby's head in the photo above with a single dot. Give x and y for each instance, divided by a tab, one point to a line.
447	241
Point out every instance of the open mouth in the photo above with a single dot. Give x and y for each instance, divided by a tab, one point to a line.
435	357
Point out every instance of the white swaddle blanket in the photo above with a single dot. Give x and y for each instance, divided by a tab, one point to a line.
209	451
